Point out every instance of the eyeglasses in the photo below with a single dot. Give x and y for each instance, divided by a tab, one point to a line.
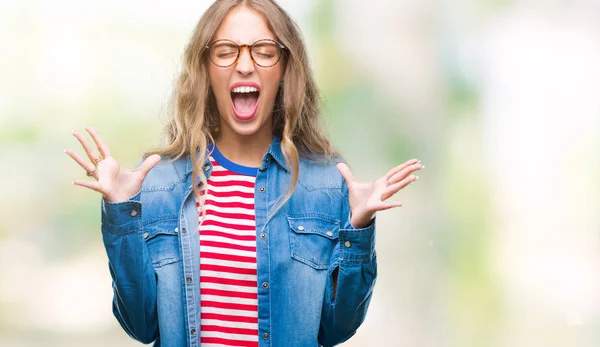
264	53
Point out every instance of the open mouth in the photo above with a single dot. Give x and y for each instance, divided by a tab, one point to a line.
244	99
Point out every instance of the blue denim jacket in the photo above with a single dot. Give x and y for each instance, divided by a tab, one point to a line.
153	250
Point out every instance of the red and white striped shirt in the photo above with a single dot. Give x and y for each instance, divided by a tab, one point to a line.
228	282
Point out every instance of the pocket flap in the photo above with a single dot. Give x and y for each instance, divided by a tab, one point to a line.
325	227
163	227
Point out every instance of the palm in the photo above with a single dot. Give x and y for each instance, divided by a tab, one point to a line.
115	180
366	198
366	195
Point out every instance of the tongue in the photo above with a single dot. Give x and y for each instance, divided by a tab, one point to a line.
244	102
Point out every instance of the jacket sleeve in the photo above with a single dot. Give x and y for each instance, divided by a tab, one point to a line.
133	277
354	265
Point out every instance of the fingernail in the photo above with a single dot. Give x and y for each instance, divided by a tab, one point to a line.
416	178
65	150
422	166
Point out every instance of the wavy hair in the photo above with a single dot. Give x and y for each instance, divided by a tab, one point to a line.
194	119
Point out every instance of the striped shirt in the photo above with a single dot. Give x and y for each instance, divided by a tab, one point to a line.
227	232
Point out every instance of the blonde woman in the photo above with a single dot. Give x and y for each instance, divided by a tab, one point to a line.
245	229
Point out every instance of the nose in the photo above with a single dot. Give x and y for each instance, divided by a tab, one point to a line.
245	65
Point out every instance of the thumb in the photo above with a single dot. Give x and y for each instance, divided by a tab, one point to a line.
148	164
346	173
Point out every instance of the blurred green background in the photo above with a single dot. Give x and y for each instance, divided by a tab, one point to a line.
498	243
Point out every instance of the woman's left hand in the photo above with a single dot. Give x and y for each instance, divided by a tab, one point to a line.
366	198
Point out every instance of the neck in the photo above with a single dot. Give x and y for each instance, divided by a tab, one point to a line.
244	150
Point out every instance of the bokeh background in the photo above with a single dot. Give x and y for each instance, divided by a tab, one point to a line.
498	243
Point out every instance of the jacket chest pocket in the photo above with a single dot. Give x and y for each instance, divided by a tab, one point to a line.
312	239
162	240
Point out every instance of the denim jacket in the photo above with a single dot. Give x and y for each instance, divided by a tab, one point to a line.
153	251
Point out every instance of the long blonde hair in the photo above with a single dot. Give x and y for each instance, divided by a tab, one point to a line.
296	113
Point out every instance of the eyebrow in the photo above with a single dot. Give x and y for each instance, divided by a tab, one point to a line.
238	42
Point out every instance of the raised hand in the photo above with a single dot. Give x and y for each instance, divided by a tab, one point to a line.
366	198
111	180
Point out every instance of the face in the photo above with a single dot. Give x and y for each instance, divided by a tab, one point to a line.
245	114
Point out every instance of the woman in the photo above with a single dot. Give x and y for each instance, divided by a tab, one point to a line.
276	244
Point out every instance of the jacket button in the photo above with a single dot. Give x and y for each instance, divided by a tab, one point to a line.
176	229
145	235
300	227
329	233
193	331
133	213
206	167
263	236
183	230
188	280
267	159
266	336
347	244
265	285
261	189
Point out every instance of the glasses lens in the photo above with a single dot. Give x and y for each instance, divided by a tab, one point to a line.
266	53
223	53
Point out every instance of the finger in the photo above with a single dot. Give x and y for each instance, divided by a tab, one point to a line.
86	165
93	185
102	147
388	205
86	146
148	164
394	188
346	173
400	175
400	167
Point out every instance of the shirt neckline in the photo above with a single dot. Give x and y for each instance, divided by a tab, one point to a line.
231	166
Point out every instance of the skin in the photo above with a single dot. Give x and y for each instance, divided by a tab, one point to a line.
366	198
243	142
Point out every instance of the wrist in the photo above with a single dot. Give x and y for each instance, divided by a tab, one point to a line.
362	221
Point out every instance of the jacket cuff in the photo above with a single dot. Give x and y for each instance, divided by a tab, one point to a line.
122	217
358	244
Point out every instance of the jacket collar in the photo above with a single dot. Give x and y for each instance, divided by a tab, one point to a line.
274	152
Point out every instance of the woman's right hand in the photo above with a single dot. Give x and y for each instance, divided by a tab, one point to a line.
115	183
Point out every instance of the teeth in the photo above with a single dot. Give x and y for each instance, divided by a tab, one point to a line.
245	90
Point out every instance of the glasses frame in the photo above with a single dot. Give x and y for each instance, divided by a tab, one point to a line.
282	49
